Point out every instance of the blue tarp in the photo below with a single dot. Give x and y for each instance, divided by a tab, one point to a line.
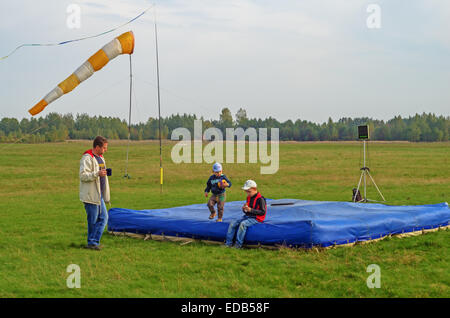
291	222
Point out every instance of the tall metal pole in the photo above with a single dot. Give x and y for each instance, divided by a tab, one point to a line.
159	107
129	120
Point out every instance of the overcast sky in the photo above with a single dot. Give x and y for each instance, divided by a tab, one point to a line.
288	59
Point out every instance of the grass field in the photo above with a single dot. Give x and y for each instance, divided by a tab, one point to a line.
43	225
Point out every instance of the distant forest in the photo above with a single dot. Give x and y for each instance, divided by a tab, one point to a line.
55	127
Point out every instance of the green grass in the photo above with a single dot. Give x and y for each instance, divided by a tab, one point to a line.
43	225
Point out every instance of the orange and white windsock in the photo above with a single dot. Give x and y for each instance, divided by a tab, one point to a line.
123	44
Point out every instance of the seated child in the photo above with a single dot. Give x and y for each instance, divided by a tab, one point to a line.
255	211
217	184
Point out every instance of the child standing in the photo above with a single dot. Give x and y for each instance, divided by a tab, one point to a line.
217	183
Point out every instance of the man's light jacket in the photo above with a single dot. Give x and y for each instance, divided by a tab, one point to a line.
90	191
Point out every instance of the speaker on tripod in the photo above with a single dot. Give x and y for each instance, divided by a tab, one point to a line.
363	134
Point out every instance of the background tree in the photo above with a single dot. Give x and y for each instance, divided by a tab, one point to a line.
56	127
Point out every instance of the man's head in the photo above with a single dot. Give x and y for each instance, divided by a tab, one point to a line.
250	187
100	145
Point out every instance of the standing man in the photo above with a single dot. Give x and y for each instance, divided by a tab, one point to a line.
94	190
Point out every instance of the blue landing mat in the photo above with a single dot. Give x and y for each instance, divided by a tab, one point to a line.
297	223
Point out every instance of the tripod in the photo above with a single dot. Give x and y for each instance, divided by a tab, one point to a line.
365	171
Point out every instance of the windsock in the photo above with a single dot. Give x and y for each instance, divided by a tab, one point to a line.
123	44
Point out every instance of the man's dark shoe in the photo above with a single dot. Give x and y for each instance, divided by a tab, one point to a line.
93	247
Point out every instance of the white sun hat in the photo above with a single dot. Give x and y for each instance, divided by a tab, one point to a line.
249	184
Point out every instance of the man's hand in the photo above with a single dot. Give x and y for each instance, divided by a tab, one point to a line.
102	173
246	208
206	194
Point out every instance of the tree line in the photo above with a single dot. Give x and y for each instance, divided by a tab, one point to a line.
56	127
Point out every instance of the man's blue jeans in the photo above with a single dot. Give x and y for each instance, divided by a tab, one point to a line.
240	226
97	218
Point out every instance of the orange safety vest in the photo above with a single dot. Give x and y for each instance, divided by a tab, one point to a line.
259	218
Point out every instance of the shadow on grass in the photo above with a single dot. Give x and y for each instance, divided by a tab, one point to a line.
77	246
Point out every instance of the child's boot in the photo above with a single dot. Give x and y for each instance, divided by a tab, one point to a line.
220	212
